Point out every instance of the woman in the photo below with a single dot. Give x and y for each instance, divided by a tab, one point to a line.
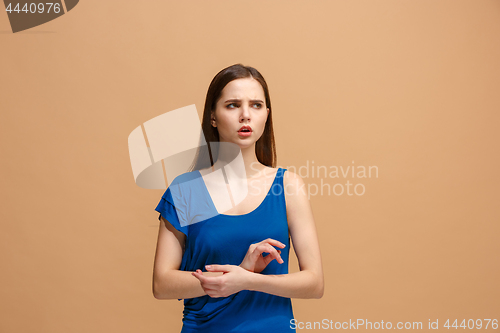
231	269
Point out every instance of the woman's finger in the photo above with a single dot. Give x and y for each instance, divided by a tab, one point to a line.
196	275
274	242
199	275
208	280
273	253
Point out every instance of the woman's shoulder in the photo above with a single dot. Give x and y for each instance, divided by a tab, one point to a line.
292	178
183	180
269	170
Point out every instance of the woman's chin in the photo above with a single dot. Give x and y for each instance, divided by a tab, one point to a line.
245	144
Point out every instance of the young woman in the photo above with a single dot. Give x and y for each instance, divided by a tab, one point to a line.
231	266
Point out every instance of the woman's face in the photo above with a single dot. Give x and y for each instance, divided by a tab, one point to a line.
242	103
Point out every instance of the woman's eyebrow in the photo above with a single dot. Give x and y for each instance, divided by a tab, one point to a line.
239	100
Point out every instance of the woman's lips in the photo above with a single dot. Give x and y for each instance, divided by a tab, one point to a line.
245	131
244	134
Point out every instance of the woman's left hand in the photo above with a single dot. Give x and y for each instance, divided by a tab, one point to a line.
233	280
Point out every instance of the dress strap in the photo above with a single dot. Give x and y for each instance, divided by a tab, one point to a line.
277	192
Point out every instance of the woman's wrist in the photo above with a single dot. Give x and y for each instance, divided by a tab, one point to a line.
254	280
245	267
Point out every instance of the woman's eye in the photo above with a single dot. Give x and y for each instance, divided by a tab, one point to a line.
231	106
257	105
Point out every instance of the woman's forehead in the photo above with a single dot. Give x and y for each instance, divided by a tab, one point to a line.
242	89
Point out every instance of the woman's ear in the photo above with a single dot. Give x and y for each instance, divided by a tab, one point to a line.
267	111
212	120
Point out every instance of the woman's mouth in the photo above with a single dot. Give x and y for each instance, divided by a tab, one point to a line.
244	134
245	131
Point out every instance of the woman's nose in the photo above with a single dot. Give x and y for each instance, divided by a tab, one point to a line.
245	113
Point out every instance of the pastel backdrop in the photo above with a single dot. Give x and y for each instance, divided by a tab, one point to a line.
410	87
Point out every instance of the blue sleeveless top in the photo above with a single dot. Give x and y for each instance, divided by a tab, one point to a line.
213	238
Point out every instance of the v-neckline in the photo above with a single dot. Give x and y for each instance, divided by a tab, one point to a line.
241	215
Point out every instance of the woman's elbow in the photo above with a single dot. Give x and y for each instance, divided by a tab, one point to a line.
160	288
316	285
156	295
156	291
162	294
320	287
320	291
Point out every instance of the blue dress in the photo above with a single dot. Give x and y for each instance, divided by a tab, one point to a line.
213	238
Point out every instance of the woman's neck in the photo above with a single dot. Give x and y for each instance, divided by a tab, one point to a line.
226	158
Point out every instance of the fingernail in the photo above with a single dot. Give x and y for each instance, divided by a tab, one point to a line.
208	266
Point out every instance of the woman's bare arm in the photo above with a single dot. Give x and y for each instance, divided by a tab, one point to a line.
309	282
168	281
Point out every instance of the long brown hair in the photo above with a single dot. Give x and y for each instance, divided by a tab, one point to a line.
265	147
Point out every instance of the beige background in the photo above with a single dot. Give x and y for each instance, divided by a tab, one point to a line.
408	86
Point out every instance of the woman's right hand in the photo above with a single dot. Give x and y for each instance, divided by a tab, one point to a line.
255	262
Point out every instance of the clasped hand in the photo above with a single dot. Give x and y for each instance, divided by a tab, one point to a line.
236	278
